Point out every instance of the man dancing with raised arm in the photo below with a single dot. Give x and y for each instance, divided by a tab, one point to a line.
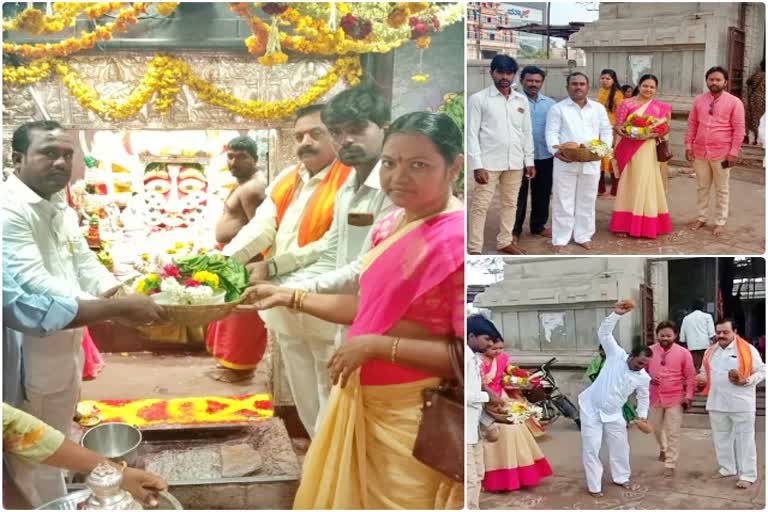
601	405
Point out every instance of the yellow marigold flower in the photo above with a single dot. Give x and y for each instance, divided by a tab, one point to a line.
145	257
423	42
179	245
207	278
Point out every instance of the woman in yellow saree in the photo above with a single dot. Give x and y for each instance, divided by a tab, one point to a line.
409	306
610	96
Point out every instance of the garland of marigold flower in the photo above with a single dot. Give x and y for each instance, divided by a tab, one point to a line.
164	77
87	40
36	22
313	36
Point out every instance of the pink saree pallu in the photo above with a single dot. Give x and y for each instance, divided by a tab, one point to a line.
361	457
641	204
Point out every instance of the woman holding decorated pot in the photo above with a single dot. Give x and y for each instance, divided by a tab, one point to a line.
515	460
641	205
409	310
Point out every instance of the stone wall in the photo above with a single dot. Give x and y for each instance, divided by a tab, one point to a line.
478	75
547	309
444	64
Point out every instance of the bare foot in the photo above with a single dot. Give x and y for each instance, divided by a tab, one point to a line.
546	233
718	231
512	249
558	249
720	476
697	225
662	456
743	484
628	485
586	245
622	235
669	471
596	494
230	376
515	239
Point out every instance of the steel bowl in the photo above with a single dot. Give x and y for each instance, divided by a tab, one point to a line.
166	501
115	441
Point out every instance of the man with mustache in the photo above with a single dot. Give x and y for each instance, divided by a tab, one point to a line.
45	251
713	142
356	119
532	79
601	405
238	341
729	376
500	150
289	229
578	120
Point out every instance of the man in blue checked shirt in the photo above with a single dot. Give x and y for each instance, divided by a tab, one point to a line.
532	80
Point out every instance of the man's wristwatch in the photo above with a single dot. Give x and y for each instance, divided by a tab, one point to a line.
271	268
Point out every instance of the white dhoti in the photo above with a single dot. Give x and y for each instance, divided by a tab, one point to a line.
592	430
306	347
573	202
734	436
53	368
306	366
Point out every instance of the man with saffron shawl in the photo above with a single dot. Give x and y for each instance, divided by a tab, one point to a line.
729	376
288	230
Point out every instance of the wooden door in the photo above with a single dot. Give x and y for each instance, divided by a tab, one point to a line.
736	39
646	297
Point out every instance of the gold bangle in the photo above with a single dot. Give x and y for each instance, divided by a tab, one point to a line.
299	301
393	354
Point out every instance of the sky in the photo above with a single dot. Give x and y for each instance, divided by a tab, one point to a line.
564	12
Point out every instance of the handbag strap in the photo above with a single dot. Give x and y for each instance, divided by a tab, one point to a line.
456	357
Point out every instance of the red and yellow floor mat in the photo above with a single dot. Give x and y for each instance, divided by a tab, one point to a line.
177	411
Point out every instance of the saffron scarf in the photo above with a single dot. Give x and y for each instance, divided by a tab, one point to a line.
744	351
318	213
626	148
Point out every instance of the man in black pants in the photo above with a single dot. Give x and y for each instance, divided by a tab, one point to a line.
532	80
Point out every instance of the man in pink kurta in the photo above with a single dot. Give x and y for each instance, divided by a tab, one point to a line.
713	143
672	387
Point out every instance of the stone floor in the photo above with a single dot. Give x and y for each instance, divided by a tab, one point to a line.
131	375
745	235
689	489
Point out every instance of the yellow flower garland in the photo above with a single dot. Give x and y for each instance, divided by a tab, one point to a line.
164	77
125	18
35	22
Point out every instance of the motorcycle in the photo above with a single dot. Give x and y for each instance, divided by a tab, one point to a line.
549	397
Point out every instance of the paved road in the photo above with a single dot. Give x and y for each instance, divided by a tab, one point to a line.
689	489
746	225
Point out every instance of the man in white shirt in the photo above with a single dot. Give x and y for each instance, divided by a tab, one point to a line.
291	225
499	151
601	405
356	119
352	118
580	120
45	250
698	332
731	371
480	336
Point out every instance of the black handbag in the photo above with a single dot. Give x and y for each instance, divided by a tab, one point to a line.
663	153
